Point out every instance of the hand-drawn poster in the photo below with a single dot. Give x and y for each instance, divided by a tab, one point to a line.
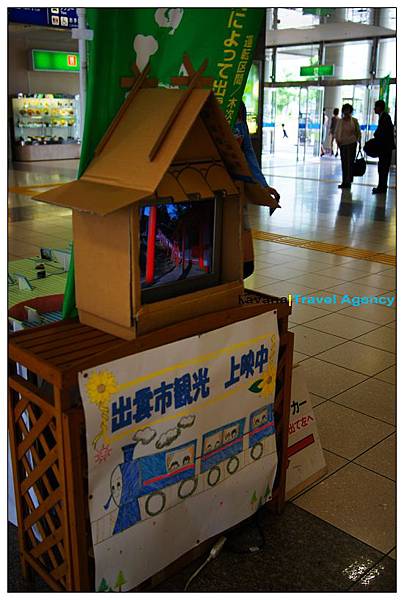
181	446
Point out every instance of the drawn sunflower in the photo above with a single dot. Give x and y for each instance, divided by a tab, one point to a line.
269	381
101	386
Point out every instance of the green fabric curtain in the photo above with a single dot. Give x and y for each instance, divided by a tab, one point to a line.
224	36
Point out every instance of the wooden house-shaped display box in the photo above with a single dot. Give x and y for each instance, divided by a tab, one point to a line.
157	214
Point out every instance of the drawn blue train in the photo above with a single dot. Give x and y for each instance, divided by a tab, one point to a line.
146	486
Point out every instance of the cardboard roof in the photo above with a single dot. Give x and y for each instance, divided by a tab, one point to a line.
123	174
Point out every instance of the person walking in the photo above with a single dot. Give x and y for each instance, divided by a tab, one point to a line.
384	135
334	121
347	135
285	135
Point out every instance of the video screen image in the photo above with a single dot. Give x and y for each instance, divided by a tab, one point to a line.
176	242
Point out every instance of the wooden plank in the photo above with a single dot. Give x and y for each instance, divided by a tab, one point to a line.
68	350
16	474
43	441
51	540
78	336
36	565
39	470
77	502
50	373
27	391
59	572
47	517
33	433
21	406
65	362
60	401
27	335
43	508
41	529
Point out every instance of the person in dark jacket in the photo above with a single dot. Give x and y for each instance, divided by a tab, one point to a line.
384	135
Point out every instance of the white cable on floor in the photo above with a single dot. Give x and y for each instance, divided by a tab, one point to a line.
213	554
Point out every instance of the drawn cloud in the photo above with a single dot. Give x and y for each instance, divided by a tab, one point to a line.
170	18
168	437
144	46
186	422
144	436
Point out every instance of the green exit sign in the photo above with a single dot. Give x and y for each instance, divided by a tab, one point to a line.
50	60
317	71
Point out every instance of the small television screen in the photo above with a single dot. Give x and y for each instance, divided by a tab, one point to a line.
179	248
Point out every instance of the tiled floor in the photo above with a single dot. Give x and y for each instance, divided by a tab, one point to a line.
344	525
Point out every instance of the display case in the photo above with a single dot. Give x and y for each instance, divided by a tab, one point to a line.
46	127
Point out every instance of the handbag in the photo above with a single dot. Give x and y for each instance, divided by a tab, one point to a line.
359	166
372	148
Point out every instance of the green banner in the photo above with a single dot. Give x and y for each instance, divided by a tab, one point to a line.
385	90
226	37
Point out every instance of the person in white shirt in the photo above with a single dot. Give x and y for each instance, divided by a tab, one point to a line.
347	135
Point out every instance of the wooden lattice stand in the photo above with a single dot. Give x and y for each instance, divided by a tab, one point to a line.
47	436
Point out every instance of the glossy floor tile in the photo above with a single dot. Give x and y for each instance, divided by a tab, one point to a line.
381	458
381	315
354	288
358	501
346	432
360	358
379	280
383	338
380	578
372	397
302	313
345	327
312	342
388	375
328	380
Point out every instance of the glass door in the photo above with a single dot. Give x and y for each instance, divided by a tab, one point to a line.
268	122
280	122
310	122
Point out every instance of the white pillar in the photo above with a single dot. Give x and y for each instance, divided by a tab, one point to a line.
81	14
334	55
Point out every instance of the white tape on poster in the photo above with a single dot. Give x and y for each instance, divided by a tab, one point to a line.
181	446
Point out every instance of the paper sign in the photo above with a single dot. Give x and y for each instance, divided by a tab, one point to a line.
181	446
306	461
